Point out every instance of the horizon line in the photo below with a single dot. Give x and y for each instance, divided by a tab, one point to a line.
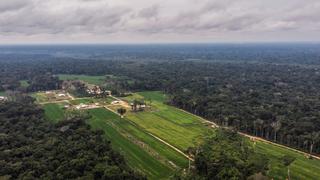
161	43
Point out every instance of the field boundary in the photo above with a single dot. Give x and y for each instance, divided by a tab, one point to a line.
176	149
156	137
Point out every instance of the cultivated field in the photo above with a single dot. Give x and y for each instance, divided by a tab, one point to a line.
97	80
177	127
182	130
144	152
302	167
141	150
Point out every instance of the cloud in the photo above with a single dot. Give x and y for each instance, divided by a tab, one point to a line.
149	12
145	19
8	5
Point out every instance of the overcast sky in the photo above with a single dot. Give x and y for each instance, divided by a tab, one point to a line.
156	21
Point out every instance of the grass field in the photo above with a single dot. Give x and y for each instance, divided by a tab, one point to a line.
97	80
83	101
24	83
302	167
177	127
40	97
2	93
54	112
116	129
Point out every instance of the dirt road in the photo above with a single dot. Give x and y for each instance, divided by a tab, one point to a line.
255	138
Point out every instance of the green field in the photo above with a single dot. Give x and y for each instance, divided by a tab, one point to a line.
97	80
24	83
82	101
119	131
177	127
302	167
2	93
40	97
54	112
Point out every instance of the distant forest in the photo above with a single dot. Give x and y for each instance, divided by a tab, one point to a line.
273	94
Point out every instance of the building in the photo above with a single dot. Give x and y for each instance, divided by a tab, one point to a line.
62	95
3	98
96	90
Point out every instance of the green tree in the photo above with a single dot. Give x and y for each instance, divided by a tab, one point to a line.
287	160
121	111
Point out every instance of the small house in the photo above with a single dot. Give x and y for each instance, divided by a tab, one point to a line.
61	95
115	102
3	98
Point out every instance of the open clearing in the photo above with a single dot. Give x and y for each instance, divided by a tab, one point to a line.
24	83
2	93
51	96
118	131
302	167
97	80
54	111
144	152
181	129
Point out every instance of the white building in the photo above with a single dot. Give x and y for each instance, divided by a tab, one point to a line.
3	98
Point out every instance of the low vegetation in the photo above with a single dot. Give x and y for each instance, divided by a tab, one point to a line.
54	112
301	168
134	150
2	93
177	127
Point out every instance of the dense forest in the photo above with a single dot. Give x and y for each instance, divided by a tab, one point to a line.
277	102
32	148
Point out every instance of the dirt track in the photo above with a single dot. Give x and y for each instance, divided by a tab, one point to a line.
254	138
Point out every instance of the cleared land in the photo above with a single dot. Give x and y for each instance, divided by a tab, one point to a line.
82	100
54	111
302	167
144	152
126	138
179	128
24	83
97	80
2	93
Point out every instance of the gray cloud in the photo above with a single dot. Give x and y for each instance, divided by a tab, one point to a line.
12	5
149	12
139	20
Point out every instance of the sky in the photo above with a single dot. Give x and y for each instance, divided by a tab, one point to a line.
158	21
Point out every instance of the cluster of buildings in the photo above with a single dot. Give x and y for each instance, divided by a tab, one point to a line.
87	106
96	90
3	98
